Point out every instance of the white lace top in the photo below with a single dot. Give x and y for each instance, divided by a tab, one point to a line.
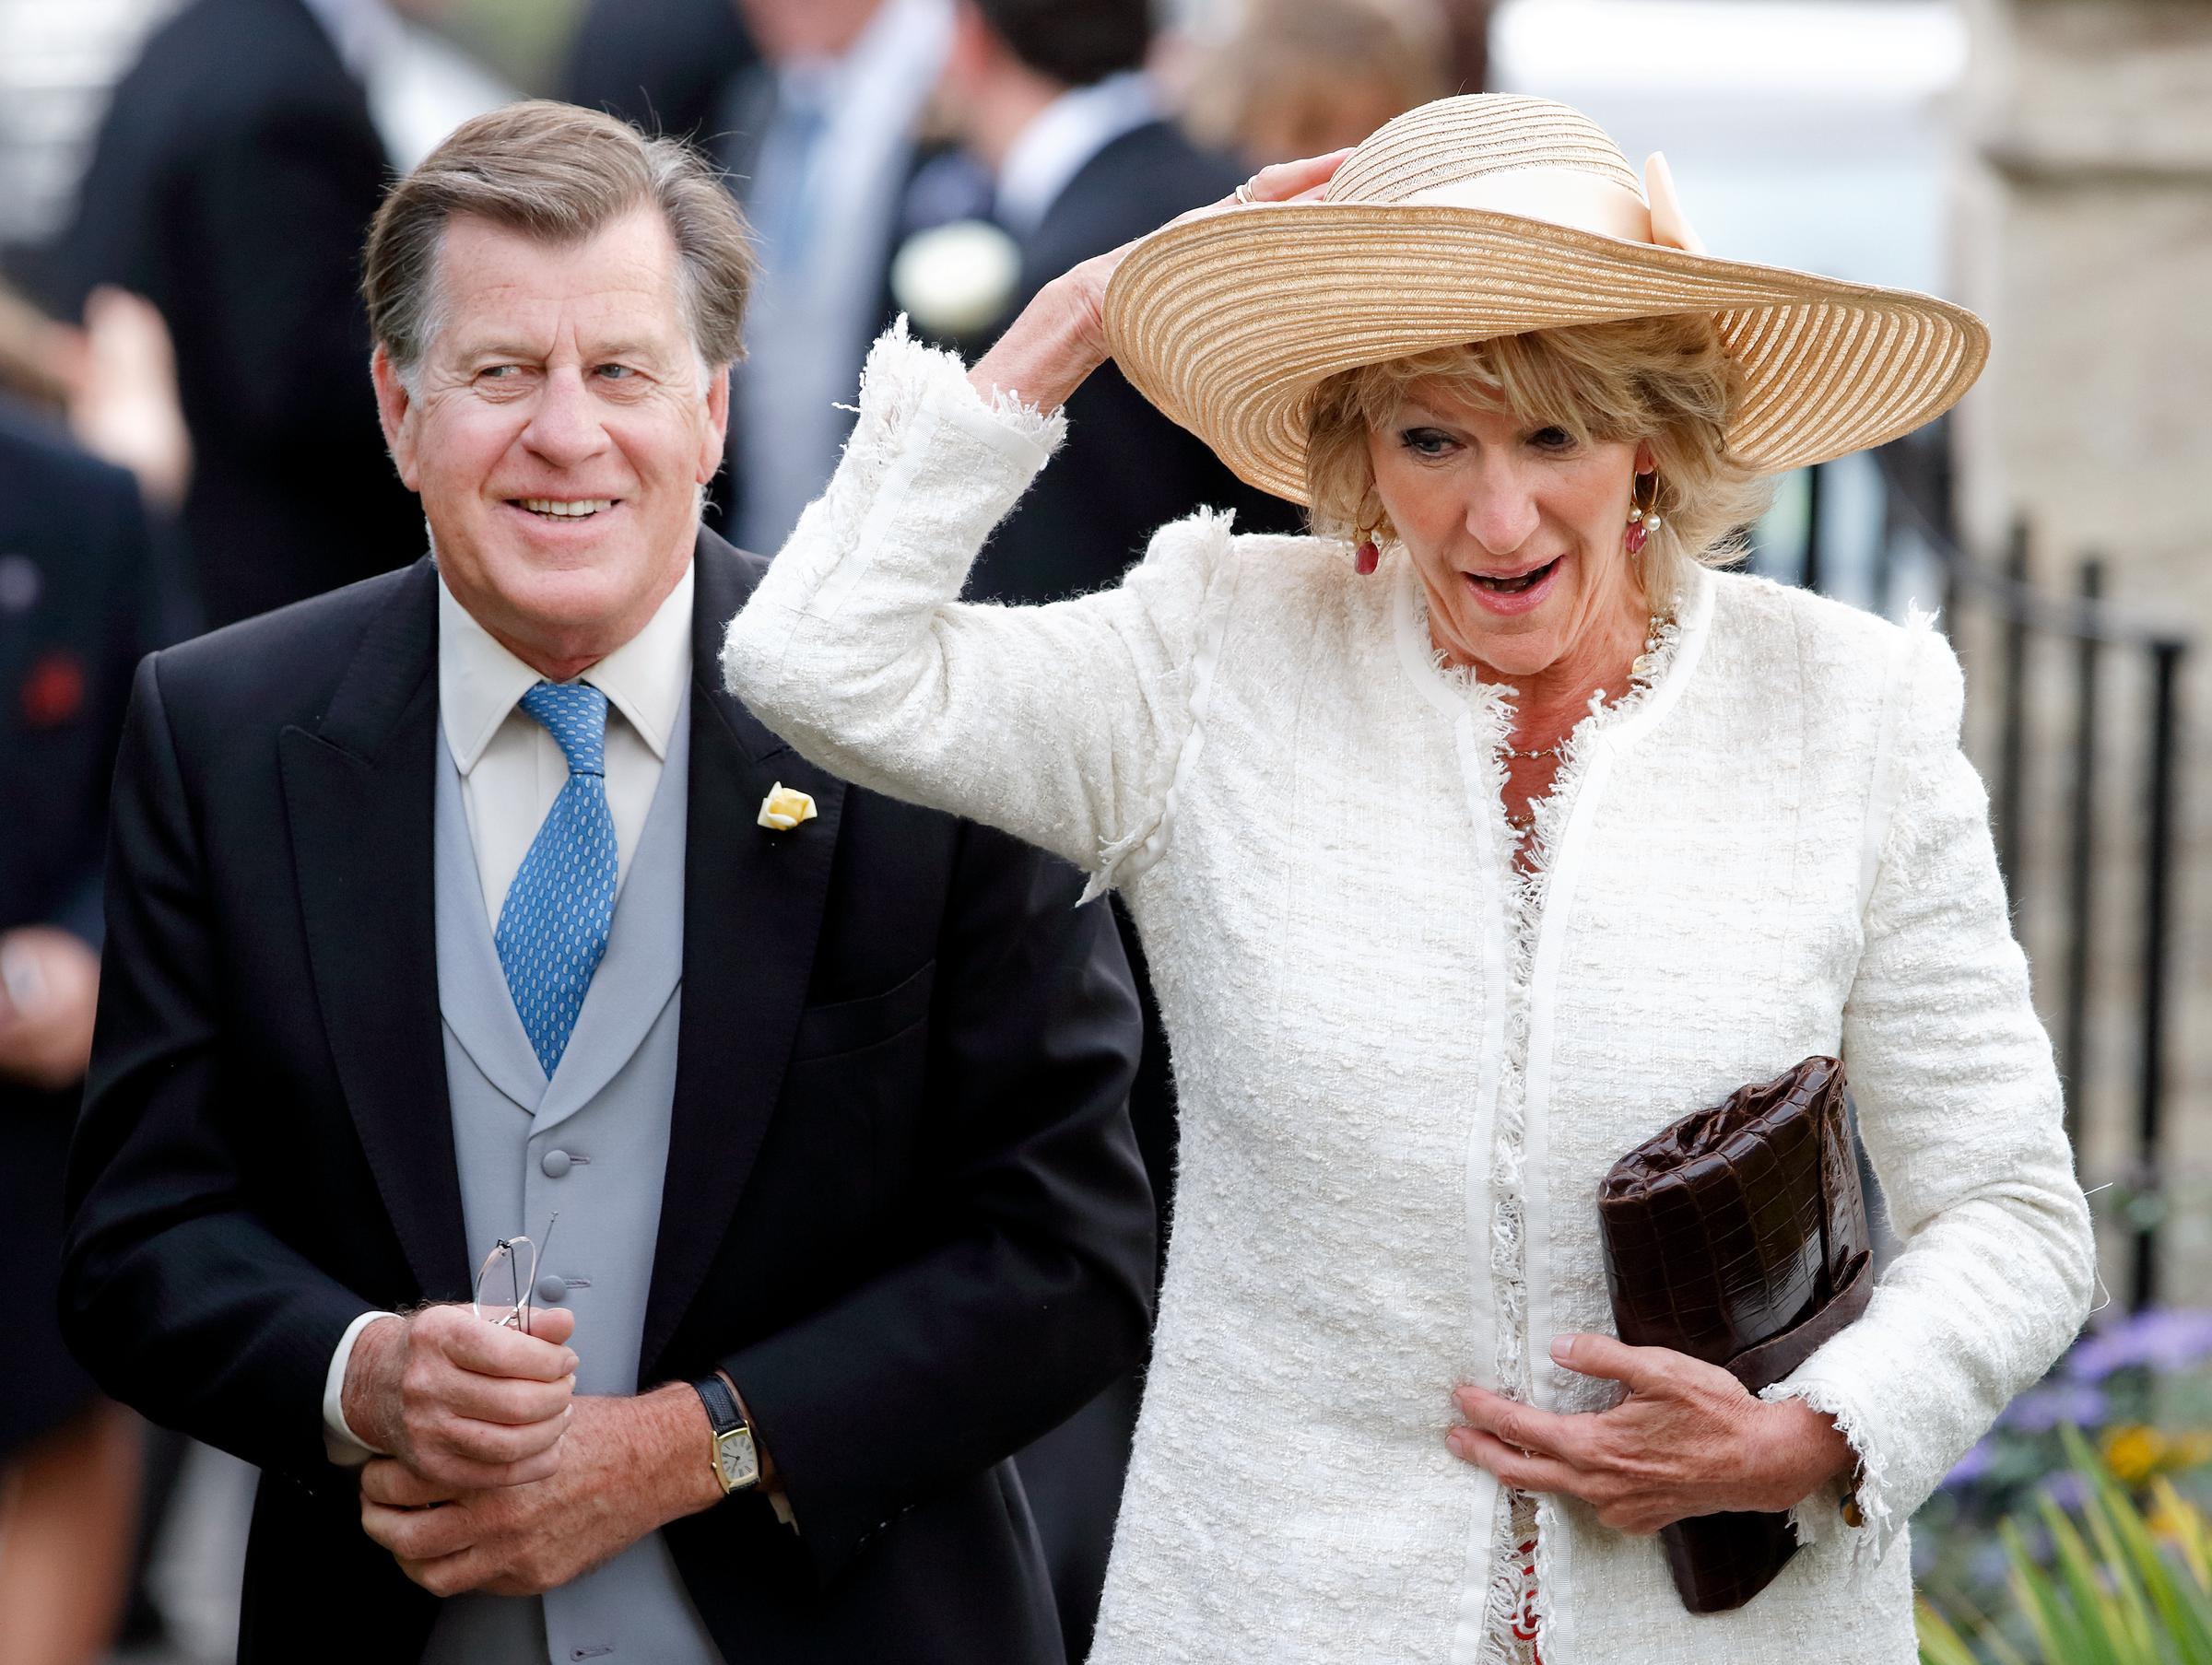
1403	1068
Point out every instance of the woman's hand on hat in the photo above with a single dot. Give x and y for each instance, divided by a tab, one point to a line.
1060	336
1686	1439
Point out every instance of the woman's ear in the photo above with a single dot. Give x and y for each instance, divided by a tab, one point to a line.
1647	456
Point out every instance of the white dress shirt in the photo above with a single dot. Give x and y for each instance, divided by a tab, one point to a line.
512	768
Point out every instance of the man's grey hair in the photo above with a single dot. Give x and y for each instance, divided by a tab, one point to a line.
559	174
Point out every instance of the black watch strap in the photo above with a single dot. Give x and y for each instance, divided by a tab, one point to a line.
723	1414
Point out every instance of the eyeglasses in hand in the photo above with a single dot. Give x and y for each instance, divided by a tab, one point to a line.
507	1282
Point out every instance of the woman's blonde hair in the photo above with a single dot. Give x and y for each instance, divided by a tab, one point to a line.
1665	381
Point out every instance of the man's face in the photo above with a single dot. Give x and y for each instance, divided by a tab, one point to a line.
558	433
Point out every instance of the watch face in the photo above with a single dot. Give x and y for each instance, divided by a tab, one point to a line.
740	1463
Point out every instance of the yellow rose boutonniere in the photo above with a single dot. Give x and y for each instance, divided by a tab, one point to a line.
785	807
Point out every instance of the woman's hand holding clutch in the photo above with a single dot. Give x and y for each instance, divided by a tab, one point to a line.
1686	1439
1060	336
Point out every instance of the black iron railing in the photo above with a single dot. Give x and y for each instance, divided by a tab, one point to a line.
2001	620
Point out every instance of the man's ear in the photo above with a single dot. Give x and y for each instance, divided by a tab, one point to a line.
714	443
395	411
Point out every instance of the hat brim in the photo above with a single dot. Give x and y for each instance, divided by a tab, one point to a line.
1226	323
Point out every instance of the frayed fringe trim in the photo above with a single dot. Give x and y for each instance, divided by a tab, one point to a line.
901	372
1818	1516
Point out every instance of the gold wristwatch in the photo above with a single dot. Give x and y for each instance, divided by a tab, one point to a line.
737	1461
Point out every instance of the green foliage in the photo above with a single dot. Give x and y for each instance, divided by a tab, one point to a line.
2101	1584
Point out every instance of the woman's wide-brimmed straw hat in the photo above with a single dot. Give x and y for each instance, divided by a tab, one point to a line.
1490	214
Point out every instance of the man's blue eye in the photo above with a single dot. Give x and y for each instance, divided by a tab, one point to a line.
617	371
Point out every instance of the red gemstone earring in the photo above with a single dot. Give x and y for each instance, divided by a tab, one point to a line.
1365	557
1643	522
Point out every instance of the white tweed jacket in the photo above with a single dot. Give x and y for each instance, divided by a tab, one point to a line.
1403	1070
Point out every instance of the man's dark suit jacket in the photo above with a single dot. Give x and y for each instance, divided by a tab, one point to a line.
904	1209
1125	470
232	184
82	596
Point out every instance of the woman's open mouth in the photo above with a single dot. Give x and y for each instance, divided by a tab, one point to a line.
1520	593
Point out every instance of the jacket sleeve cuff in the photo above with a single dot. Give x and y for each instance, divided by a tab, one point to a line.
1824	1513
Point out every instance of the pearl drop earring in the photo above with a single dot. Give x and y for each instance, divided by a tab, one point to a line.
1643	522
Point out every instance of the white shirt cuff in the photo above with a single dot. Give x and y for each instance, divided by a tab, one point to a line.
340	1443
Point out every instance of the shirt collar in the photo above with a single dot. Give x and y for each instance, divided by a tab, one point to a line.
1061	140
480	681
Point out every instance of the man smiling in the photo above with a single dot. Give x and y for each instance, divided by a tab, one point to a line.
450	911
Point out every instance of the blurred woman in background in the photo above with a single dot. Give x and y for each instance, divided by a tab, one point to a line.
85	591
1304	77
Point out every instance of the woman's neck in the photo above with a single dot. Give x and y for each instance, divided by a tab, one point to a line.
1549	702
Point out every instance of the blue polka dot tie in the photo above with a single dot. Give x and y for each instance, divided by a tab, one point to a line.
553	928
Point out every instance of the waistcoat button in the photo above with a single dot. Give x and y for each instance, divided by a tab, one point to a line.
552	1290
555	1164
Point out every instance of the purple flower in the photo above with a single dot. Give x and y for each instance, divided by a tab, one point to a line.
2067	1490
2163	1339
2040	1410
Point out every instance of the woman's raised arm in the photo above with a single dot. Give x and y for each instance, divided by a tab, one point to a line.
1062	724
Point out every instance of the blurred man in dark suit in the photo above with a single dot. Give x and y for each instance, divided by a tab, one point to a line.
1053	96
81	599
231	184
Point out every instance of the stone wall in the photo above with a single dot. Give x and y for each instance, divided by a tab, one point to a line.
2085	237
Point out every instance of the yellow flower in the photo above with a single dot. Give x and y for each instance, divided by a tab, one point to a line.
785	807
2134	1453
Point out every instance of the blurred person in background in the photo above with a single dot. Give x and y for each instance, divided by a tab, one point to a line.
819	141
662	66
1053	97
1304	77
231	185
82	597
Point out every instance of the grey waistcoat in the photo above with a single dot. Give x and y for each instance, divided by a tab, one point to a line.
593	1144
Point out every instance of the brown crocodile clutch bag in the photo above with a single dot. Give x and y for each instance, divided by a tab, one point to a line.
1738	1236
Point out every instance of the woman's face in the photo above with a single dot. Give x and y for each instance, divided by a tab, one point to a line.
1517	532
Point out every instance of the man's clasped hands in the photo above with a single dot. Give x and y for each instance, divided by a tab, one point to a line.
501	1477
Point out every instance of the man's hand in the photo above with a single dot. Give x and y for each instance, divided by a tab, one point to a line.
628	1467
49	985
1686	1440
463	1404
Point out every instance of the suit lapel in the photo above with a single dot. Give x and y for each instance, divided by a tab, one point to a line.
753	904
358	793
